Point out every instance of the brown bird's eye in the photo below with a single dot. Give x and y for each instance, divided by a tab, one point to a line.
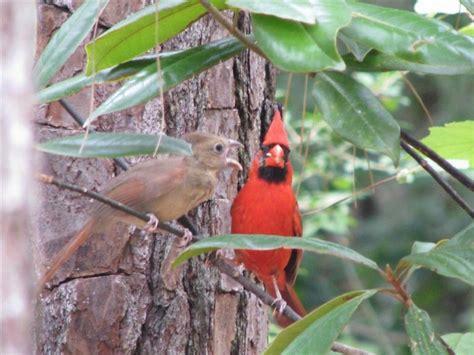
219	147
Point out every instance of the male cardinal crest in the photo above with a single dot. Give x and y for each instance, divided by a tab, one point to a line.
267	205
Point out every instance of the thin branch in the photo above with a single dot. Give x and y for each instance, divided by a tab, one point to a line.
424	164
354	196
80	121
443	163
357	193
371	175
47	179
303	115
391	279
223	266
418	98
288	89
224	22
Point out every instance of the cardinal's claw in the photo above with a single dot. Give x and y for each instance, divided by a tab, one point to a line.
185	239
279	305
152	224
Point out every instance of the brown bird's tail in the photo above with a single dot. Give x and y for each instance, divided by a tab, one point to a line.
291	298
69	249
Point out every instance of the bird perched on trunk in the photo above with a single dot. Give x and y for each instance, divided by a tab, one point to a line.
167	187
267	205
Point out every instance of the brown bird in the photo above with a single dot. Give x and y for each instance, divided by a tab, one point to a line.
167	187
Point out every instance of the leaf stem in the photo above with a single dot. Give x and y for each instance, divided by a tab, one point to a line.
405	297
222	20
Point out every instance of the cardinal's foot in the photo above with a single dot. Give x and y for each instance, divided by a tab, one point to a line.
152	224
279	305
185	239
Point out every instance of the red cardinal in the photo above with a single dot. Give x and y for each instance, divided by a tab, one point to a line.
267	205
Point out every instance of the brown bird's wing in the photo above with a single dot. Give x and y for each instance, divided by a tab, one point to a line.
293	265
144	183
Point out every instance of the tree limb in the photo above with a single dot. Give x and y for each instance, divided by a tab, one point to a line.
451	192
447	166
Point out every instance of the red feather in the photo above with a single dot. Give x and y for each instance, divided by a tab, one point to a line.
264	207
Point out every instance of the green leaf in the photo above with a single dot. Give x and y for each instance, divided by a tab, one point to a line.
354	112
453	258
75	84
468	30
299	47
358	50
462	344
112	145
431	44
469	5
175	68
376	62
266	242
141	32
454	140
423	339
301	10
65	41
418	247
315	333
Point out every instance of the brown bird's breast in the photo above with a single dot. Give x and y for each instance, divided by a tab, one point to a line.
167	187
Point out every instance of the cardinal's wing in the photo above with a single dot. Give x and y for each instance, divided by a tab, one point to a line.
293	265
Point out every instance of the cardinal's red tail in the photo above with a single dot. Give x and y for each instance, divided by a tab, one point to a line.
69	249
291	298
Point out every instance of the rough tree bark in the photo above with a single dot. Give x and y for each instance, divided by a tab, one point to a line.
118	294
16	167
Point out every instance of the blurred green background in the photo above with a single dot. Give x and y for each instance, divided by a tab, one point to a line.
382	223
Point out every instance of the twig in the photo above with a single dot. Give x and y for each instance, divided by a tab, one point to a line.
450	169
418	98
357	193
407	301
354	196
223	266
222	20
79	120
47	179
424	164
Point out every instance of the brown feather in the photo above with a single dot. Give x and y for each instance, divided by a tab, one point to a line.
66	253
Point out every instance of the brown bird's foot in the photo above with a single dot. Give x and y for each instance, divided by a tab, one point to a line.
152	224
184	241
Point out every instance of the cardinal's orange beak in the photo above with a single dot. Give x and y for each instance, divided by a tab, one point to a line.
275	157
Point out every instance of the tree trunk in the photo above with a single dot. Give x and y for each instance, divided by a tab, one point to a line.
118	293
16	172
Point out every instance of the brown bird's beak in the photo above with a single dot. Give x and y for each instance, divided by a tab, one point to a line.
232	162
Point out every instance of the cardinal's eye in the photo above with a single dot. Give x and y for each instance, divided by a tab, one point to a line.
219	147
